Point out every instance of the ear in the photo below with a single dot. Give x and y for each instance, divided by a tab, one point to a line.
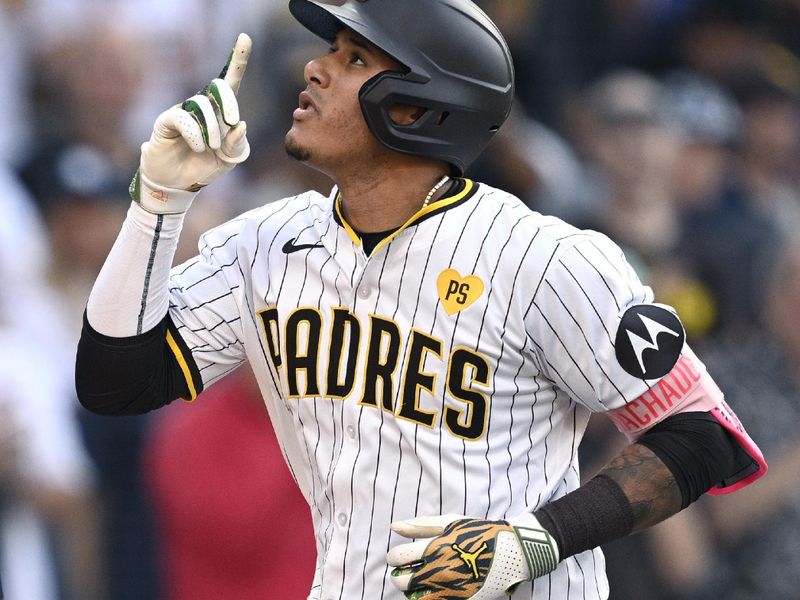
405	114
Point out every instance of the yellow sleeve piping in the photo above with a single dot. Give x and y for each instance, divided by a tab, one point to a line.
173	345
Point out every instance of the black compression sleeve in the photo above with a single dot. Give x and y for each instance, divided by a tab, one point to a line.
594	514
133	375
697	450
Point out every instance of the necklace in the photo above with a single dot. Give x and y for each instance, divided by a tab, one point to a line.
435	189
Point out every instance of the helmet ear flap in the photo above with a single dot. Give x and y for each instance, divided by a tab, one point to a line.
444	129
388	89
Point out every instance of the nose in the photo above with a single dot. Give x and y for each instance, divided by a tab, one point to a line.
315	72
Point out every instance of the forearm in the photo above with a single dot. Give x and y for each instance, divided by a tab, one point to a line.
647	483
131	295
634	491
668	468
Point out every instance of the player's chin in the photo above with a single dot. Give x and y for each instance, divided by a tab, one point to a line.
294	148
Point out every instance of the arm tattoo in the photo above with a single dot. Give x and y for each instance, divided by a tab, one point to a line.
648	484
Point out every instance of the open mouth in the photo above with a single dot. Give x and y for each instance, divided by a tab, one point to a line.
305	101
305	107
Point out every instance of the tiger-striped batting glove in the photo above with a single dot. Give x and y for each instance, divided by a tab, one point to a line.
195	142
456	557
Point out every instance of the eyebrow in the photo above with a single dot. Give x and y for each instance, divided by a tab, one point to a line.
360	42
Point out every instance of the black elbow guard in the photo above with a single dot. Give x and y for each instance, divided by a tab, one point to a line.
133	375
697	450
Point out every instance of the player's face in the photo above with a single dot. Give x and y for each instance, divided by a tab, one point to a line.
328	129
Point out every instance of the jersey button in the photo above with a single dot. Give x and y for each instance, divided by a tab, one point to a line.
342	518
363	292
351	431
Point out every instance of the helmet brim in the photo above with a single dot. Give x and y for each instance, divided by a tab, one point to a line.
326	18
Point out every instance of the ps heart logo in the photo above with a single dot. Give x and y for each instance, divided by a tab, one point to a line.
456	292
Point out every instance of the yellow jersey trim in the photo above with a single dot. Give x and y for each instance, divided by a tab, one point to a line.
433	206
173	345
350	231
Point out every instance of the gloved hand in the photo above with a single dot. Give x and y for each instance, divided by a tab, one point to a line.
459	557
195	142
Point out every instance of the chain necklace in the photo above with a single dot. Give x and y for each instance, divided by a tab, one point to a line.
435	189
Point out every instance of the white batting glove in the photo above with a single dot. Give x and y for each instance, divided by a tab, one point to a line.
458	557
194	143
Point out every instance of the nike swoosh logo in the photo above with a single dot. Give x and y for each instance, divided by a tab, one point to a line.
290	246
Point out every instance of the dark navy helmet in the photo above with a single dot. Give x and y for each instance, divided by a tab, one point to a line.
459	70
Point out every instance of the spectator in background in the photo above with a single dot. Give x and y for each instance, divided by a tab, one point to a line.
784	24
726	41
20	226
49	540
629	151
770	151
46	486
562	46
25	291
15	119
232	522
757	533
661	155
725	241
537	165
86	86
79	220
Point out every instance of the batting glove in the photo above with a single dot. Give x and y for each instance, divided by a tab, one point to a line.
194	143
458	557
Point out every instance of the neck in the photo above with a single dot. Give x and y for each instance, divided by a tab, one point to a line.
387	198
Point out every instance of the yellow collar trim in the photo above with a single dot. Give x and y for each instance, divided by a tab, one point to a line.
438	205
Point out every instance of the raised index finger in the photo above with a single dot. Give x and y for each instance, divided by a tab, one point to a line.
233	71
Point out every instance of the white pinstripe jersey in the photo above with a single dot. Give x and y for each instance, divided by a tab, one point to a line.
452	371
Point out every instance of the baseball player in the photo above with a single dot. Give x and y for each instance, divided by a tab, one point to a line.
429	349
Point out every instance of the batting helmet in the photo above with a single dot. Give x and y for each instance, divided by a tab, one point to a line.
459	69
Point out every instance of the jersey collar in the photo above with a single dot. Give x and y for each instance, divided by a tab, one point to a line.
462	191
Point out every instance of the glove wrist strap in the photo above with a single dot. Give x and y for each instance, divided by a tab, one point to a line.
538	546
158	199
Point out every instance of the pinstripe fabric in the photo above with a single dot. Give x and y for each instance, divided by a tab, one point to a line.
474	407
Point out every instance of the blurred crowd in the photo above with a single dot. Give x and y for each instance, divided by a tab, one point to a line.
671	125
